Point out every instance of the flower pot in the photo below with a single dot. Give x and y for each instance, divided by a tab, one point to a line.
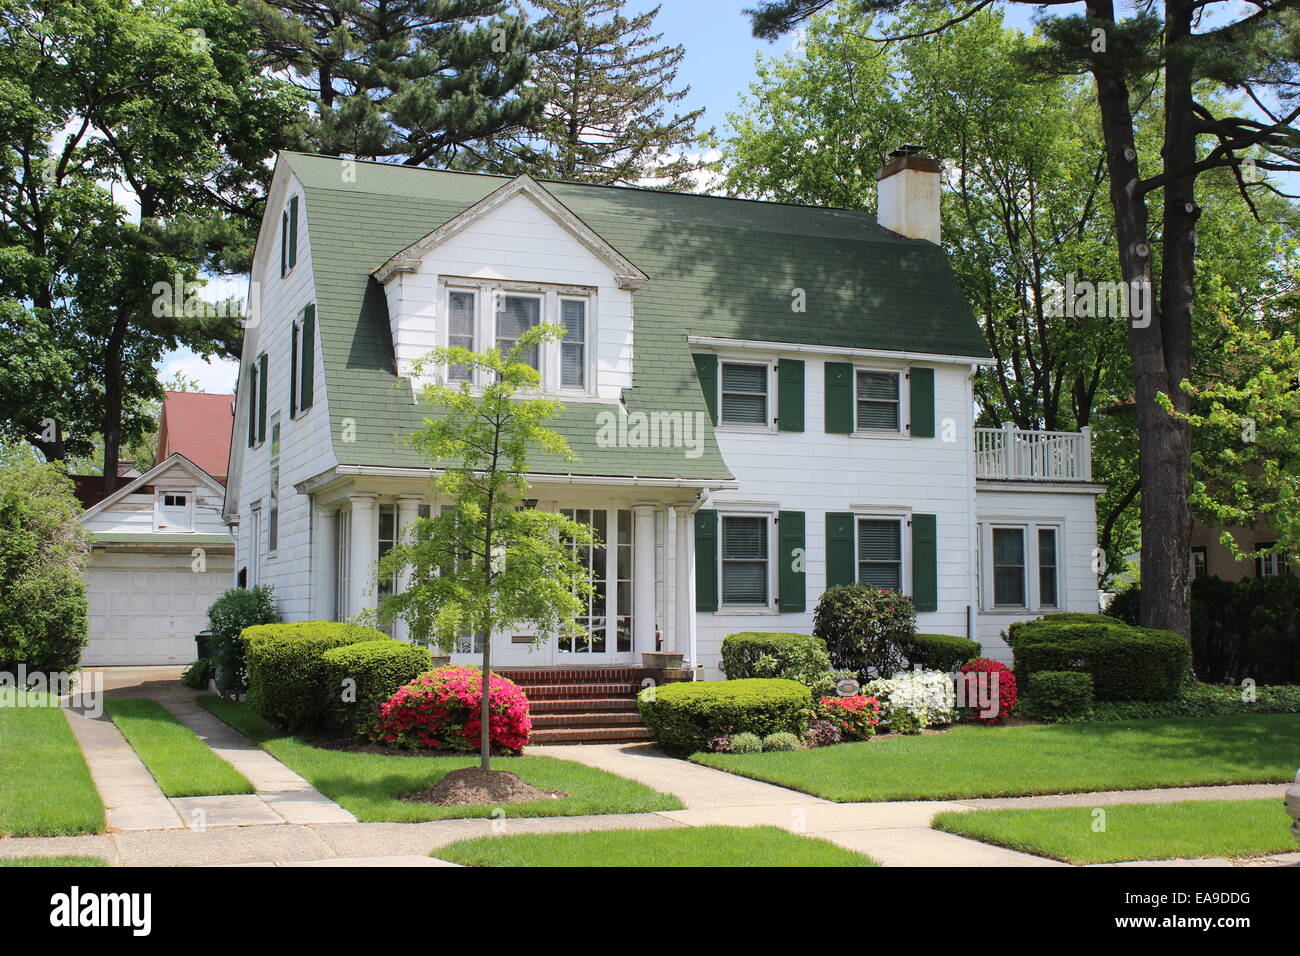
660	660
439	660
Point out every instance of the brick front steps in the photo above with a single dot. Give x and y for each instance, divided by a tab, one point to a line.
580	705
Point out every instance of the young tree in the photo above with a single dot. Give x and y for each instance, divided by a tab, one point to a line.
607	92
410	80
1192	50
489	562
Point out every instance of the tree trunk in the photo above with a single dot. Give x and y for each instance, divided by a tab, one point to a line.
484	712
1160	352
112	422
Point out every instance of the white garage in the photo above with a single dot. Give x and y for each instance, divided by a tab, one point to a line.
160	556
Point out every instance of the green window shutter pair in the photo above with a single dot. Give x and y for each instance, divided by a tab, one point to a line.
261	397
840	557
293	371
789	396
706	559
839	400
706	369
791	552
308	357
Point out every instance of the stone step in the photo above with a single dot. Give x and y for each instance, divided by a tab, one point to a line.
578	691
557	705
590	735
594	719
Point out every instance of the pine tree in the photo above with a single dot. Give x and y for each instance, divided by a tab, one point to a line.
407	80
608	91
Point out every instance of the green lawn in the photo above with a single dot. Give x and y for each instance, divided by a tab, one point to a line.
45	787
1134	831
679	846
971	761
369	785
52	861
183	765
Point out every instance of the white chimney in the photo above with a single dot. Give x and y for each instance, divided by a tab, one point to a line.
907	194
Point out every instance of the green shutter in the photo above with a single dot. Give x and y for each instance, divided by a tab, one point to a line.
252	406
293	232
308	357
706	560
925	563
839	398
284	243
706	368
793	557
839	548
261	397
789	397
922	402
293	371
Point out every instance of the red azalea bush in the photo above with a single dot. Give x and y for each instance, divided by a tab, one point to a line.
1007	692
856	716
440	709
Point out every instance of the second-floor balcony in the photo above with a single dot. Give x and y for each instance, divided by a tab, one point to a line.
1007	453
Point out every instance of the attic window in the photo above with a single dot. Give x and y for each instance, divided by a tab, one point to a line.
174	501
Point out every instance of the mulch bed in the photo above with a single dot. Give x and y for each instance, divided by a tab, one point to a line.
475	786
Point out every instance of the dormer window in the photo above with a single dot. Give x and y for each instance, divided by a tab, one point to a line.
480	314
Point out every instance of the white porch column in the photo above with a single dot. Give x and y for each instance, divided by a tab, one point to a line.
363	552
324	562
644	605
408	509
685	586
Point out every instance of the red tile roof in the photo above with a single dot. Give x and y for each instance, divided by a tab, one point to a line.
197	425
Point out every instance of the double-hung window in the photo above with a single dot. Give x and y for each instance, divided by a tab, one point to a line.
880	553
273	512
461	315
1268	565
745	560
1009	567
744	394
515	315
878	401
1047	578
573	347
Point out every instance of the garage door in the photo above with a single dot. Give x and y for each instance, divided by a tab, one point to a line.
145	608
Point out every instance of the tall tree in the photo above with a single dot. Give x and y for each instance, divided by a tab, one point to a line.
1170	45
413	81
133	140
608	91
489	562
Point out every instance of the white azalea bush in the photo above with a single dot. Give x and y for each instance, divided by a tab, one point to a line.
928	696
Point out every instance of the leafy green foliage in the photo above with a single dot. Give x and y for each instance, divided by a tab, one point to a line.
942	652
1126	663
228	616
687	715
43	612
375	669
197	674
781	740
288	677
1056	694
797	657
1197	699
746	743
866	629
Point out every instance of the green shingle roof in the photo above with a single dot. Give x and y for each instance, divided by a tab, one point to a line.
717	267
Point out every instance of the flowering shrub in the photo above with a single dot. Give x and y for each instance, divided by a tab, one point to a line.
995	674
856	716
440	709
823	733
929	696
720	744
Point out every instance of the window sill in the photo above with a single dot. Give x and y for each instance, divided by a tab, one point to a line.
740	428
746	611
884	435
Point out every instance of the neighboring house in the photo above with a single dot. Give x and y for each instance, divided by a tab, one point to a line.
1210	557
160	552
764	399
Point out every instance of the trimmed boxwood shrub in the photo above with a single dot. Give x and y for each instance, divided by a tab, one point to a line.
287	676
866	629
1057	694
687	715
1126	663
378	668
940	652
800	657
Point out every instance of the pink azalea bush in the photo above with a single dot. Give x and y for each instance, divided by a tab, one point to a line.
440	710
855	716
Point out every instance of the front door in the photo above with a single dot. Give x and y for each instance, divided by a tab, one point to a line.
608	621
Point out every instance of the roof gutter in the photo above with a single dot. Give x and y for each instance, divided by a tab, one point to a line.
709	341
373	471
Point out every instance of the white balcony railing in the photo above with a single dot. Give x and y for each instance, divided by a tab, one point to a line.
1009	453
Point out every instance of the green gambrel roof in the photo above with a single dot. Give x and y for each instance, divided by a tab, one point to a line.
718	267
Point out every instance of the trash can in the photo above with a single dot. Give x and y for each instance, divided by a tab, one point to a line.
203	641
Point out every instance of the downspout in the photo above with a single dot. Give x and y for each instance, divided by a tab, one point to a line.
972	607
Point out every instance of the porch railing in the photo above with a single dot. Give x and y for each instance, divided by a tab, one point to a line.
1011	454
